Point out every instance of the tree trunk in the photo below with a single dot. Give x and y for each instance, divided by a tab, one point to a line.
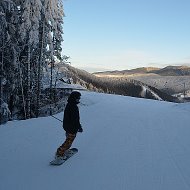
22	90
40	64
1	75
28	97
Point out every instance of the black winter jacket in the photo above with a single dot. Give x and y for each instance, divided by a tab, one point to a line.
71	120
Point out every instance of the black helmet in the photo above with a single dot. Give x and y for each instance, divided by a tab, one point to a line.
74	96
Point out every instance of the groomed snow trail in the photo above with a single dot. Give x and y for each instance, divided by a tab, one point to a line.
127	144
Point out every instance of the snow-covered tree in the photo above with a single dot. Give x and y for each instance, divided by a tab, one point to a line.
9	49
30	40
50	39
30	18
54	20
40	37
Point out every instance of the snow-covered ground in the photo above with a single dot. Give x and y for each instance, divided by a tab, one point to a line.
167	83
170	84
127	144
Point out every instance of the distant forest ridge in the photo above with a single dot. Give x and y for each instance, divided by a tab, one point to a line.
122	86
166	71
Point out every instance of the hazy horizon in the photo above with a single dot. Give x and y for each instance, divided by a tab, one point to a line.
94	70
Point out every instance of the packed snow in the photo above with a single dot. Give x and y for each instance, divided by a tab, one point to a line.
127	143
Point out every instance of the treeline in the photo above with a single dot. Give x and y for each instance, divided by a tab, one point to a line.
30	42
126	87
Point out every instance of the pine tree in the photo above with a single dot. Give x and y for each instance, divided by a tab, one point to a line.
30	16
30	39
9	50
42	36
50	40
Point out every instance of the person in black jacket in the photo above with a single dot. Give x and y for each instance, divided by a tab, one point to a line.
71	122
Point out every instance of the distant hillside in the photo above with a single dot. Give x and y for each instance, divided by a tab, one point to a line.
127	87
171	80
141	70
144	70
174	71
167	71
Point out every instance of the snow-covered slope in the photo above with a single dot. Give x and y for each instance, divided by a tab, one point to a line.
127	143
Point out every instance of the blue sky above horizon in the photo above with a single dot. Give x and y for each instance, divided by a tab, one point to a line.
115	35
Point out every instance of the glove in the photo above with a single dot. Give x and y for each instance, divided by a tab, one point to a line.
80	130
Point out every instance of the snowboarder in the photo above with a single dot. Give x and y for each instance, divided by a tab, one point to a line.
71	123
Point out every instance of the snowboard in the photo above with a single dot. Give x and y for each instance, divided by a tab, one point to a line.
69	154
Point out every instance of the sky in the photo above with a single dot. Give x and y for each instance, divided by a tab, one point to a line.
125	34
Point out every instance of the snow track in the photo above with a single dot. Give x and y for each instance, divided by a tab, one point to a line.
128	143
